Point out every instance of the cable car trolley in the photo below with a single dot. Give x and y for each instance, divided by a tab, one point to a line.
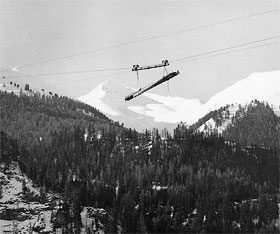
163	64
165	78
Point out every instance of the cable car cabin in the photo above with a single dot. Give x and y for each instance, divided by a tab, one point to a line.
148	87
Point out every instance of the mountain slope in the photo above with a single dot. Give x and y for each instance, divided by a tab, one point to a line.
26	208
19	210
144	112
261	86
152	110
251	124
186	183
255	124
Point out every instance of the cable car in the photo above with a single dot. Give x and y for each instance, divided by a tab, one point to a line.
165	78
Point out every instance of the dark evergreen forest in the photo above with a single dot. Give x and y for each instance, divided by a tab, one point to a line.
187	182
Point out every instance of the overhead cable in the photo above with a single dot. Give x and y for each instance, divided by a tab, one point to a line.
223	49
147	39
175	61
200	56
70	72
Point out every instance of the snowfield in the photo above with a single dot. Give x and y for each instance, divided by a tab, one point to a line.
169	109
261	86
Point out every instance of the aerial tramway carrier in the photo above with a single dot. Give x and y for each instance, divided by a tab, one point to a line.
165	78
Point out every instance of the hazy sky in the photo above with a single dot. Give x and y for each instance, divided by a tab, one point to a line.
33	32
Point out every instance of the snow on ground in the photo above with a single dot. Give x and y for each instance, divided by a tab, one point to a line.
17	214
13	204
168	109
91	224
11	191
261	86
9	88
25	227
210	125
138	109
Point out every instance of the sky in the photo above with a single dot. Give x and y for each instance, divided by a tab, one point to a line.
47	37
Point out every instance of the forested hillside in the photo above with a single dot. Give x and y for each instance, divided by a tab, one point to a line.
186	183
256	124
252	124
32	117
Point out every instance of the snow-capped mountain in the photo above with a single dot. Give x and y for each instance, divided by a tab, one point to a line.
152	110
264	87
144	112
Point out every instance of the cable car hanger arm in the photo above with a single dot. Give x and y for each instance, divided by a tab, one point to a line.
148	87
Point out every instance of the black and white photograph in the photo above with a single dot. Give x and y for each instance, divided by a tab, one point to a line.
139	116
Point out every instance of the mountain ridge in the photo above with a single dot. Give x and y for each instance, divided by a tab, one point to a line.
153	110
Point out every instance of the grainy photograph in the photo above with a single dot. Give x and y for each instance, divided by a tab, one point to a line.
137	116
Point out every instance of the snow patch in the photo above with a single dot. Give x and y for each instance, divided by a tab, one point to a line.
211	126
